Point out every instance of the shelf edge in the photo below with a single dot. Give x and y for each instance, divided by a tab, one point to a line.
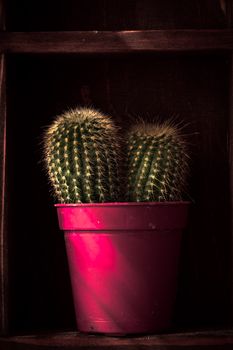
106	42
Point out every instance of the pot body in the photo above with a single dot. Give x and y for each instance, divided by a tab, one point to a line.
123	260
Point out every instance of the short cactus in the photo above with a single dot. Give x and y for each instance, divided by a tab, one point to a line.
157	163
81	156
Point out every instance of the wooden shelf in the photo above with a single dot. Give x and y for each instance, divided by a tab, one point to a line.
106	42
196	88
72	340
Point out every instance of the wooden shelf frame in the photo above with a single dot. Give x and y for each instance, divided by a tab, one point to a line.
223	339
88	43
107	42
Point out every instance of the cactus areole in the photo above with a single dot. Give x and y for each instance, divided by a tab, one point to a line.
81	154
157	163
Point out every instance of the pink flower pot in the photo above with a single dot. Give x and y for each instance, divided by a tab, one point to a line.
123	260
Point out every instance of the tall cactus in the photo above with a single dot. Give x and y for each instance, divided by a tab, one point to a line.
81	155
157	163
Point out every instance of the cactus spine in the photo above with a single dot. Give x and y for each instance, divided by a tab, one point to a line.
81	156
157	163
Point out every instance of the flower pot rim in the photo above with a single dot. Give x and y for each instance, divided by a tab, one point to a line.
123	204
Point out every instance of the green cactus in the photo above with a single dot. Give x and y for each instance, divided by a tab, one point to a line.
81	156
157	163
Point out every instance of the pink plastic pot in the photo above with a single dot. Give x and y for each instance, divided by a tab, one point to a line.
123	260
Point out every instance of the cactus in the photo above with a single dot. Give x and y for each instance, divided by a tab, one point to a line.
81	156
157	163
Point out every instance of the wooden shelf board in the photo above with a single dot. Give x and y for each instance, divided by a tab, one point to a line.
91	42
70	340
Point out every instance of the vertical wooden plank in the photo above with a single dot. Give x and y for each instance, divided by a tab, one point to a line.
231	169
3	236
2	15
231	166
228	9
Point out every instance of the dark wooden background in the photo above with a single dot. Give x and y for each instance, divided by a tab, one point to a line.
192	88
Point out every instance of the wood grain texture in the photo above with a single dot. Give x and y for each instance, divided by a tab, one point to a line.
3	210
231	157
228	5
116	42
43	15
2	15
71	340
3	235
